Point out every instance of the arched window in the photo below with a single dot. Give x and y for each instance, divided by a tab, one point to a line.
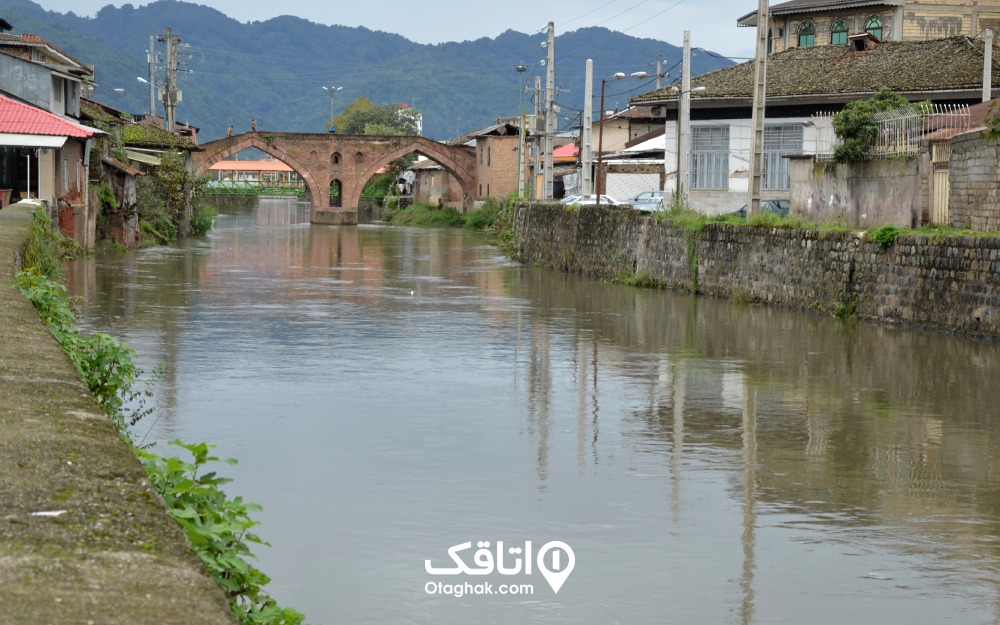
335	159
838	34
874	27
807	35
359	158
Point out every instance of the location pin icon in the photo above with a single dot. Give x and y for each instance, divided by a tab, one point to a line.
556	572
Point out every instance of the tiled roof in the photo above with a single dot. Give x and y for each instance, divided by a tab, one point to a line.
19	118
813	6
143	136
250	166
907	67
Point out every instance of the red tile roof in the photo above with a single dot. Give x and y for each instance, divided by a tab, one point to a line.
250	166
18	118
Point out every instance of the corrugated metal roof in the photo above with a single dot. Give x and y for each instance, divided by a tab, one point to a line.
19	118
908	67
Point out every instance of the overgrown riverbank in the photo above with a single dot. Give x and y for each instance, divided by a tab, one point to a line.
217	527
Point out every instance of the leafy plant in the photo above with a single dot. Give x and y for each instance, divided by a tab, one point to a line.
885	236
165	197
218	528
856	126
484	216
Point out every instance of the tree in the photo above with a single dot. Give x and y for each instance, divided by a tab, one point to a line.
857	128
364	117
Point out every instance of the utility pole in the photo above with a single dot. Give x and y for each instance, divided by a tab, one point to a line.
759	100
538	147
586	131
550	113
170	82
684	122
659	71
171	95
151	60
988	66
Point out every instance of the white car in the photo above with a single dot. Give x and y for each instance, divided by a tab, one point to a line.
648	201
589	199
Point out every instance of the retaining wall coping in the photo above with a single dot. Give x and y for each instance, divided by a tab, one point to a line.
83	536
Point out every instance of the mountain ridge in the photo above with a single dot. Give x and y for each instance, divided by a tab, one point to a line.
273	70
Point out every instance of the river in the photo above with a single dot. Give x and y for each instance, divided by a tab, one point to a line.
392	393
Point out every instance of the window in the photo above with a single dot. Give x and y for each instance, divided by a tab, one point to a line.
807	35
710	157
838	34
874	27
779	141
770	42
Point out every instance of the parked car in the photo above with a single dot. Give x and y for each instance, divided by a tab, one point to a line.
648	201
780	207
589	199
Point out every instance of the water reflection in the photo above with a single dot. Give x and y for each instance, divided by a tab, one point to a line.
391	392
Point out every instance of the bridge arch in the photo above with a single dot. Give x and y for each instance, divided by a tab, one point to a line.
437	152
224	148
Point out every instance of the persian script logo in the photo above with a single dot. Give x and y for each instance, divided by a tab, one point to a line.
555	561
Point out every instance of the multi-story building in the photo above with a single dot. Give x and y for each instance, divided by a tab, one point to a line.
805	23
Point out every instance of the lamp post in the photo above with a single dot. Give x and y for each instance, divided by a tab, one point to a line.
331	90
520	68
599	184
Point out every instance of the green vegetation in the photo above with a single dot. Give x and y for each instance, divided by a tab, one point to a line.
164	196
502	229
856	127
885	236
641	280
423	215
364	117
217	527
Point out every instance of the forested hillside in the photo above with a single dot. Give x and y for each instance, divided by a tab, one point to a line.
274	70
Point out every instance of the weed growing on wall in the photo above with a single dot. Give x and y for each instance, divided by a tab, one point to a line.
885	236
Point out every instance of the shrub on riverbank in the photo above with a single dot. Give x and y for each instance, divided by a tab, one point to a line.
428	216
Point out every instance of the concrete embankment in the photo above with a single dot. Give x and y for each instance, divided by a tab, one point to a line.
83	537
946	284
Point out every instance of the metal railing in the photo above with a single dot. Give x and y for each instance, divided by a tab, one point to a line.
900	131
256	187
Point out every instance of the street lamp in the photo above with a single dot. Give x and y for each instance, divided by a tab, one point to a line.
600	131
520	68
331	90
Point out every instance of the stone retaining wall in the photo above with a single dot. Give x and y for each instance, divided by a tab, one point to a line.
974	175
106	550
948	284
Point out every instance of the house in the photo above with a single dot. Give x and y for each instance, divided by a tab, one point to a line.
807	23
44	148
802	81
133	149
496	149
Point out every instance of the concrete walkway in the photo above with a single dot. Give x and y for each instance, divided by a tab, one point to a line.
83	537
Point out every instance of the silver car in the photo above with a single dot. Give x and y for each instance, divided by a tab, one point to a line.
648	201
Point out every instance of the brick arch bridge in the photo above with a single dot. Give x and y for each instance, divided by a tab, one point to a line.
320	159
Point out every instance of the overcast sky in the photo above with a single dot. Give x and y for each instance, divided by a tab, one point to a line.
712	22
